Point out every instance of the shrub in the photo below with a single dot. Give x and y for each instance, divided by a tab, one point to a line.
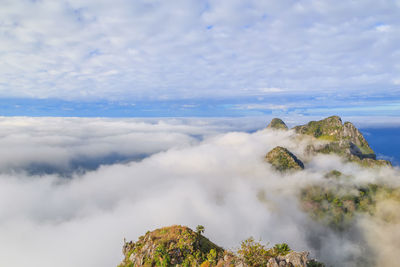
200	229
254	253
314	263
212	256
282	249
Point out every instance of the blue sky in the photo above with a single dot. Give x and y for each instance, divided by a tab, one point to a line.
199	58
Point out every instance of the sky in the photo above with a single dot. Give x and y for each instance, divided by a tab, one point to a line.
150	58
118	117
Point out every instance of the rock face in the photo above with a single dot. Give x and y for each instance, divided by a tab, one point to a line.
342	139
181	246
292	259
170	246
277	124
283	160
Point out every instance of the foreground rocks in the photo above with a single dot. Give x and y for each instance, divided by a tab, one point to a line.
170	246
180	246
291	259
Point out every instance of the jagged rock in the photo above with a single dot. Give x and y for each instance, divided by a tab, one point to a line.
342	139
272	263
299	259
277	124
180	246
169	245
328	128
283	160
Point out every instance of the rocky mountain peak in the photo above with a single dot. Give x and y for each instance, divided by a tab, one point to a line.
283	160
169	246
341	139
181	246
277	124
329	128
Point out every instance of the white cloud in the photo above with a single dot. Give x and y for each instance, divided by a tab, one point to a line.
164	49
262	106
82	220
57	144
383	28
271	90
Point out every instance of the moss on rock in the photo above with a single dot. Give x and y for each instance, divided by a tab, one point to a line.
180	246
344	140
169	246
283	160
277	124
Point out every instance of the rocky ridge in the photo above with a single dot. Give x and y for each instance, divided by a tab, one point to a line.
181	246
335	205
342	139
277	124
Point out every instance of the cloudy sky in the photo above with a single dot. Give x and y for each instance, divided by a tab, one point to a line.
199	58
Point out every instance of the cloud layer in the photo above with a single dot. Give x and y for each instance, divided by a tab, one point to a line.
194	49
193	172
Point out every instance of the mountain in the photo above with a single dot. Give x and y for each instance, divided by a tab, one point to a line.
342	139
332	136
334	201
277	124
283	160
181	246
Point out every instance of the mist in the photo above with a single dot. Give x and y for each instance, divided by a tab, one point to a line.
72	189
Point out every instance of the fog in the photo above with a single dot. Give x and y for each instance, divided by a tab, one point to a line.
72	189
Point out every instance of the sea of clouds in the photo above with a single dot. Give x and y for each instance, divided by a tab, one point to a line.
71	189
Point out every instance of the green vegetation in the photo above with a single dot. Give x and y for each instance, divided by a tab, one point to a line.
344	140
169	246
328	128
282	249
283	160
161	256
256	254
333	174
337	205
179	245
212	256
314	263
200	229
277	124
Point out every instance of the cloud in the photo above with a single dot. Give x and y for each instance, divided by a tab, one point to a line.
48	145
262	107
158	50
271	90
383	28
218	180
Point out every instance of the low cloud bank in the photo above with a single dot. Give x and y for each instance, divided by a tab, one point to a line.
192	172
65	145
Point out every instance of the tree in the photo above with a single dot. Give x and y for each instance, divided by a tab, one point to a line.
199	229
